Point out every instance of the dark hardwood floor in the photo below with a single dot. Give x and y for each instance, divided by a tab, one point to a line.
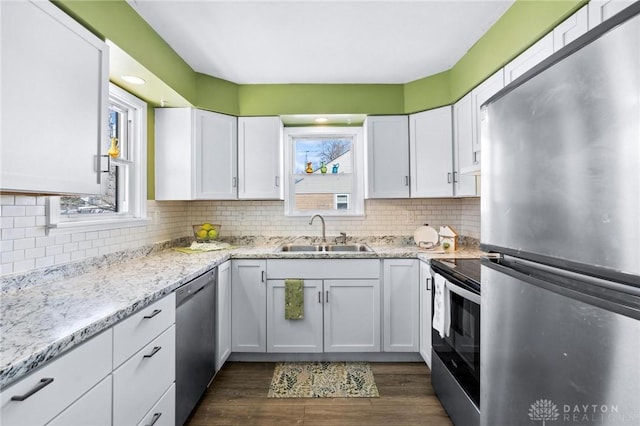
238	396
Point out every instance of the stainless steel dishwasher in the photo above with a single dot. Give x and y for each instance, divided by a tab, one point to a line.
195	341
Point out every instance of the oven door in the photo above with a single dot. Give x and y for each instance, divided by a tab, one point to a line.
459	348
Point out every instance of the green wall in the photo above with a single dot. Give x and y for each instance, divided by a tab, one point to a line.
277	99
523	24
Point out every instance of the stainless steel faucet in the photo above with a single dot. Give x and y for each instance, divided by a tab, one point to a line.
324	237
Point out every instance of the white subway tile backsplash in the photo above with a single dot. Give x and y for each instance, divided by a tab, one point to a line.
13	211
29	246
25	200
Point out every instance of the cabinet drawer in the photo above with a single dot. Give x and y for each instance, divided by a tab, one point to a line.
323	268
93	409
164	412
142	380
130	335
73	373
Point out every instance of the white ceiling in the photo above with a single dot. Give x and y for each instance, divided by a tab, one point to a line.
328	41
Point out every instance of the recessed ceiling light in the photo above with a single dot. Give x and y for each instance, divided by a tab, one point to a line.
133	79
321	120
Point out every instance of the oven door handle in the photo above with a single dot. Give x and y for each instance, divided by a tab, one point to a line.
475	298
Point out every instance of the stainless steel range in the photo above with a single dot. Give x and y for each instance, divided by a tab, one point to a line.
455	370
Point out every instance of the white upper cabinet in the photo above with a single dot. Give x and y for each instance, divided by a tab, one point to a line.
260	158
480	95
465	159
55	84
571	28
387	145
531	57
430	141
601	10
195	154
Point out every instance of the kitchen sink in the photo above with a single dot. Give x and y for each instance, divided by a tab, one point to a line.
324	247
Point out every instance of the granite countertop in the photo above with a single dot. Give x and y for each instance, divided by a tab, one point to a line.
45	318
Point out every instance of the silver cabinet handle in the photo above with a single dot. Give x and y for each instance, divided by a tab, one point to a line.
319	297
43	382
455	177
153	352
406	181
154	419
262	276
448	177
427	282
277	181
234	182
327	296
153	314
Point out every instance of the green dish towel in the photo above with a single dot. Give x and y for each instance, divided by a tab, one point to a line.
293	299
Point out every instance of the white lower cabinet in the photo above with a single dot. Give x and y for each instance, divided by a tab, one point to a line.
39	397
144	360
248	305
352	315
401	305
425	313
164	412
93	409
341	306
223	320
140	382
299	335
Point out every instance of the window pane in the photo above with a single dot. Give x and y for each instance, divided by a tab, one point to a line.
323	167
94	204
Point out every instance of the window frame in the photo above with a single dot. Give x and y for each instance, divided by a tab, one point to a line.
356	199
136	214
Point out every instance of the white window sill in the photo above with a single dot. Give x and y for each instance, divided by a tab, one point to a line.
95	225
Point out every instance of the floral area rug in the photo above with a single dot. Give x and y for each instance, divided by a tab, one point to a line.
323	380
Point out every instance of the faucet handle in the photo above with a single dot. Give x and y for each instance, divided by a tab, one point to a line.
342	238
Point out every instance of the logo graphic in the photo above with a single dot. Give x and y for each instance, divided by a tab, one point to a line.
543	409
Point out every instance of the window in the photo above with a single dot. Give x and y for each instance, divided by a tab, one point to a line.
324	171
123	196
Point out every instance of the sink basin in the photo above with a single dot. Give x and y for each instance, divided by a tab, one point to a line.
324	247
347	247
300	247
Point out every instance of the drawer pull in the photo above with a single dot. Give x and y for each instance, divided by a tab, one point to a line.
154	419
153	314
38	387
153	352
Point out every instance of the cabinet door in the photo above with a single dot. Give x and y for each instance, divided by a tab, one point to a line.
215	161
300	335
479	96
465	160
601	10
174	145
55	93
431	145
260	158
92	409
401	322
531	57
223	321
387	157
571	28
352	316
425	313
249	306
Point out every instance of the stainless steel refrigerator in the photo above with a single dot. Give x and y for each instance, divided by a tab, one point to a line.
560	307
